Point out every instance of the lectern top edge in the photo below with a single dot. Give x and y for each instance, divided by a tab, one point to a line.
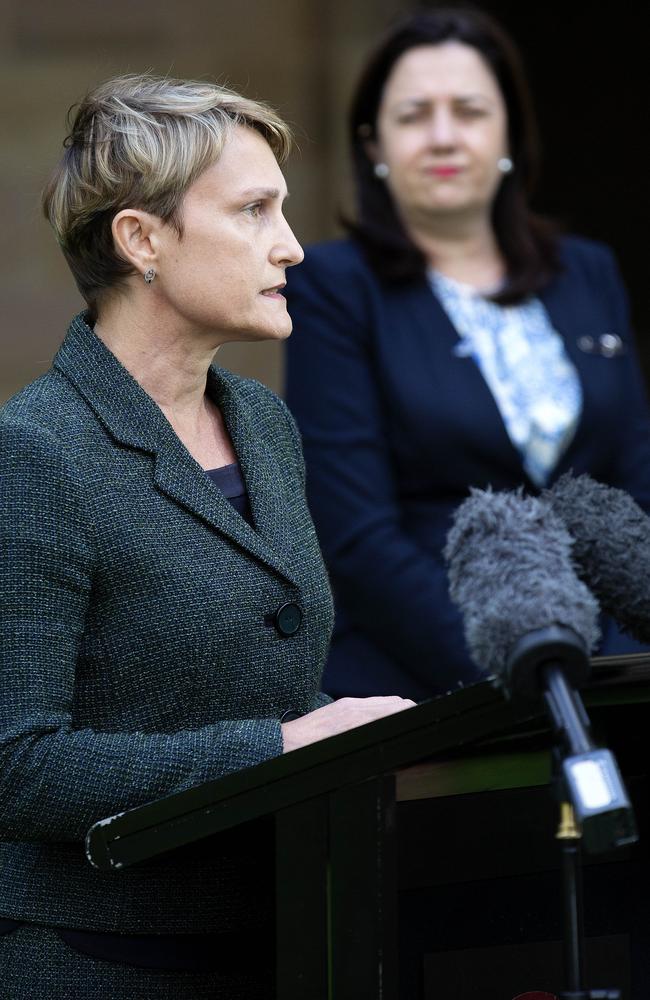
434	728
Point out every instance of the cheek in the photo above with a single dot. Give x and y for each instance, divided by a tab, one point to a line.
497	141
405	167
487	149
206	264
401	153
204	283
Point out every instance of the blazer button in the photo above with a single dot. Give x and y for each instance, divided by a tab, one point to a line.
288	618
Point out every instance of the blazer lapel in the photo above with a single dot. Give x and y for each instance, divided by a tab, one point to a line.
261	475
178	476
439	338
134	420
571	316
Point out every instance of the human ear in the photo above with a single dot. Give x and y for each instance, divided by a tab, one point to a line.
380	168
371	149
135	234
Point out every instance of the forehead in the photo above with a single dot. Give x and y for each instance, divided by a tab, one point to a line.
448	69
247	163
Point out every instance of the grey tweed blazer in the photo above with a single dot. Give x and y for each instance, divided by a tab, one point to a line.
138	655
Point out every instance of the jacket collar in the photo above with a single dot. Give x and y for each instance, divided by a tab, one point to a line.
134	420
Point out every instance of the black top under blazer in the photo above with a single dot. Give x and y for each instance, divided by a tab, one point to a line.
138	650
396	428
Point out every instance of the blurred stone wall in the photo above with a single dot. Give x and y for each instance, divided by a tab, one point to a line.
299	55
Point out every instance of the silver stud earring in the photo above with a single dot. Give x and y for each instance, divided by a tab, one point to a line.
381	170
505	165
149	275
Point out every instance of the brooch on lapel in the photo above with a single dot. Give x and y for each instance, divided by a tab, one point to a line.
608	345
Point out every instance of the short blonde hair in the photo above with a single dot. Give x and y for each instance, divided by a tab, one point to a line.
140	142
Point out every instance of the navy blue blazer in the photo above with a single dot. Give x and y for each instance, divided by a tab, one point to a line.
396	428
139	653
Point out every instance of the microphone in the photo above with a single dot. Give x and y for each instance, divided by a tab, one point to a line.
510	573
611	550
531	623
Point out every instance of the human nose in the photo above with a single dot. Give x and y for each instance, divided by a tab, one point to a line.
287	250
442	128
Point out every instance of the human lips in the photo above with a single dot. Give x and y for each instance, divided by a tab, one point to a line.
275	292
444	171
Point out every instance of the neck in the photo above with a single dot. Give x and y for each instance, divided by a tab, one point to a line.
170	366
463	247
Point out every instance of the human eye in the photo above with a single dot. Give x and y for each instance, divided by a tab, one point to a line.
254	209
471	111
410	116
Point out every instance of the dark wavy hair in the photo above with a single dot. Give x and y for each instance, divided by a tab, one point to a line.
528	243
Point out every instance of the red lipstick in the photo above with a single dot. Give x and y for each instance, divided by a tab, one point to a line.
444	171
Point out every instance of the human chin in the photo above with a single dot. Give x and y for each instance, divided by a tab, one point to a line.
265	328
450	197
275	309
283	329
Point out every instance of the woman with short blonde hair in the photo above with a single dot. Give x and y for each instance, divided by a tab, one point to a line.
141	140
166	611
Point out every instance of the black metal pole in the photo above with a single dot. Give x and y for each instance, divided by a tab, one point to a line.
574	937
569	838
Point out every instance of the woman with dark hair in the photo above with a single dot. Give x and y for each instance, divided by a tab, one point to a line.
454	340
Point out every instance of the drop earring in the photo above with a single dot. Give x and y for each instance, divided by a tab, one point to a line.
381	170
505	165
149	275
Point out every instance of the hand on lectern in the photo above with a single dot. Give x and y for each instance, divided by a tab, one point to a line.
338	717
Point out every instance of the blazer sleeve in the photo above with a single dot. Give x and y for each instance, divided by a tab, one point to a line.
56	780
390	587
632	471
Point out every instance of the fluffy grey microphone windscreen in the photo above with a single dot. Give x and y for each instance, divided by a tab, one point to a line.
611	547
510	573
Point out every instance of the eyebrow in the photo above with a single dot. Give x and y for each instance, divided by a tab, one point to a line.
267	193
421	102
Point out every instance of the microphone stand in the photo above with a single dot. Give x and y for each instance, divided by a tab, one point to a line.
570	838
573	731
595	809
